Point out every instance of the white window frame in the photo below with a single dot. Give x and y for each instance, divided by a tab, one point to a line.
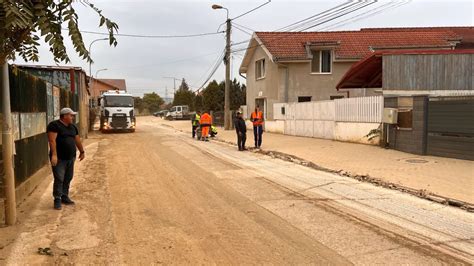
321	62
259	61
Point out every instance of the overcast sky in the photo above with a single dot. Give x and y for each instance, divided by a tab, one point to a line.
143	62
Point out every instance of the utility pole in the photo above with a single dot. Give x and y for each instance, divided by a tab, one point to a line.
227	114
174	82
7	149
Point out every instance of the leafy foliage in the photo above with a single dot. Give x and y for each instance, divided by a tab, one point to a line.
23	22
184	96
152	102
213	95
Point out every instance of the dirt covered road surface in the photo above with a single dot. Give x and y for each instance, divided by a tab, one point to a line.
157	196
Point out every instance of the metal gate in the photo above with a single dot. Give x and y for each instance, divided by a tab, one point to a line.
450	127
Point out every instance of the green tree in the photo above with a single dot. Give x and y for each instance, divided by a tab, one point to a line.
184	85
152	102
184	96
139	105
213	96
23	22
237	95
198	103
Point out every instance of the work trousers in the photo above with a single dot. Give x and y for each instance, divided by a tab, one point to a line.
241	139
63	173
205	131
257	134
194	130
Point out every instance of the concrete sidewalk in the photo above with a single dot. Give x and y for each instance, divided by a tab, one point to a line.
450	178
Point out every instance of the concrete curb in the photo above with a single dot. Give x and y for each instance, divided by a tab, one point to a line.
420	193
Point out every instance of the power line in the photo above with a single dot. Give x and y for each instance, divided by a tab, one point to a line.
165	63
370	13
216	61
153	36
242	30
313	16
251	10
318	16
217	65
243	26
338	16
320	23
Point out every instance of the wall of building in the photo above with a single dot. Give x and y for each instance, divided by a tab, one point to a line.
275	87
265	88
428	72
409	140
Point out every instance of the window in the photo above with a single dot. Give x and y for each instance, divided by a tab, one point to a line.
302	99
322	61
283	111
336	97
260	69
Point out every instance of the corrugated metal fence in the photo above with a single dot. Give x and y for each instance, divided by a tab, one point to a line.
33	105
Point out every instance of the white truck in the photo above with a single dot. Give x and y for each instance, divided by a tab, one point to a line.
117	111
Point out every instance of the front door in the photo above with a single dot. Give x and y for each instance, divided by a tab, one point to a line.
263	108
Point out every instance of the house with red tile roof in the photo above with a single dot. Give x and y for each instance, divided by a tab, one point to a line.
282	67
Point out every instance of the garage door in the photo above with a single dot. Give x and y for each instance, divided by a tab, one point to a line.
451	127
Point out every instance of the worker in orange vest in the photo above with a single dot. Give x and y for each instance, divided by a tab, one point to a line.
257	119
206	122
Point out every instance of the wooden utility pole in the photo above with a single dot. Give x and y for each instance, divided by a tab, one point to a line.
227	114
7	148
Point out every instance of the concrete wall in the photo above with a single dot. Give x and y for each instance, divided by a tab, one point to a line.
322	120
355	132
409	140
277	126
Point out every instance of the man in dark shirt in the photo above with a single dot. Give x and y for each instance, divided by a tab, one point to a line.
63	138
241	130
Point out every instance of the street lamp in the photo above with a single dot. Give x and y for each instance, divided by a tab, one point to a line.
98	71
221	7
227	115
90	46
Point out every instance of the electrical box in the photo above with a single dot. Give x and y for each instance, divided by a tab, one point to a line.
390	115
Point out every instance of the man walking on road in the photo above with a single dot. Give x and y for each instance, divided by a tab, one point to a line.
257	119
195	122
63	138
241	130
206	122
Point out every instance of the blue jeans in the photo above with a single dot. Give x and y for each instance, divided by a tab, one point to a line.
63	173
257	134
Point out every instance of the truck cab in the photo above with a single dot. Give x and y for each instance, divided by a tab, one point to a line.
117	111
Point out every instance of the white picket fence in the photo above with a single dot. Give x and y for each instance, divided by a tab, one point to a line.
342	119
360	109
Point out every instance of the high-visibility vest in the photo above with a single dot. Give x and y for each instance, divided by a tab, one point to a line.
257	118
196	120
206	119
